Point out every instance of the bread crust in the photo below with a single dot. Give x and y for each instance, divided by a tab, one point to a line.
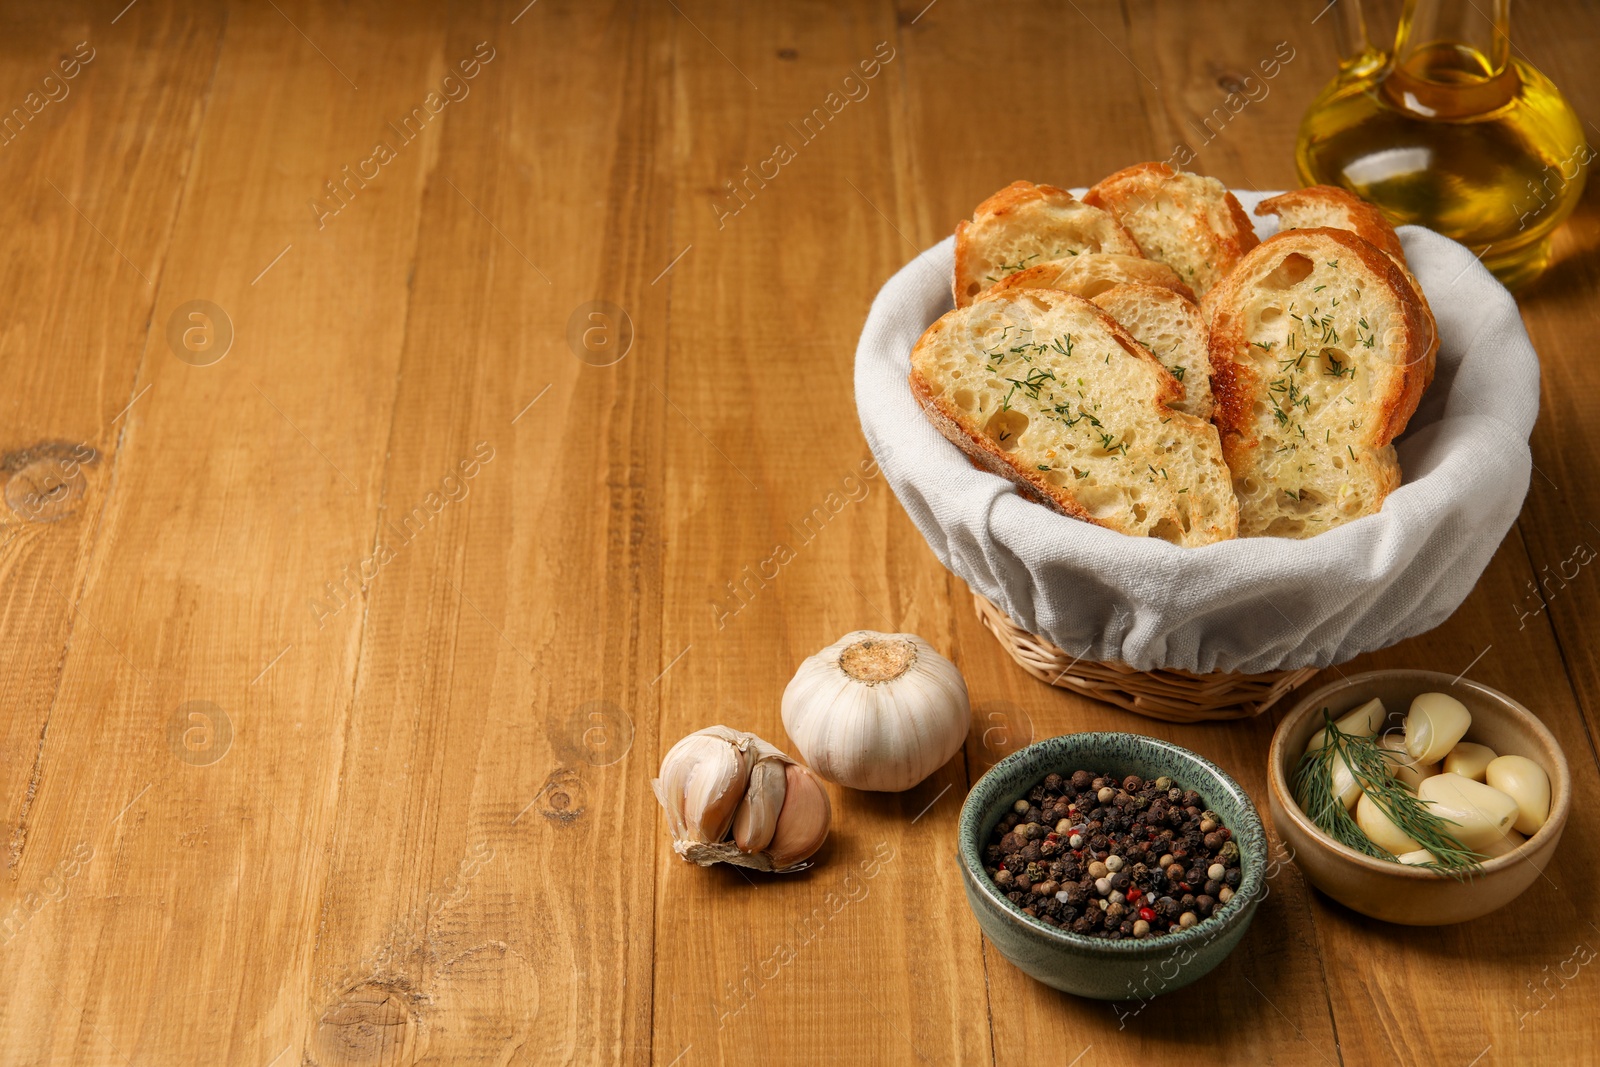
1129	188
1365	220
1007	202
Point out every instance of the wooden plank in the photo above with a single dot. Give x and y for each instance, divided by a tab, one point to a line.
866	958
243	486
485	898
75	242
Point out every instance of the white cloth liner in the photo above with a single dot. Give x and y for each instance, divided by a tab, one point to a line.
1253	604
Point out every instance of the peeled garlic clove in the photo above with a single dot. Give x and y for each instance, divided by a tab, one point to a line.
1525	782
1482	814
877	711
1417	857
1469	760
1435	723
803	823
1502	845
1380	829
757	816
1401	766
1363	722
1344	783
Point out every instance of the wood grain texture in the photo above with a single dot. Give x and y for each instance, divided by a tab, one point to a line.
333	673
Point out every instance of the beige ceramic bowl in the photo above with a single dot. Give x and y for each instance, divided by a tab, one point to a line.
1391	891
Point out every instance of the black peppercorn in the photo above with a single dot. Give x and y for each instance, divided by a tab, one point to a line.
1232	878
1081	780
1213	886
1204	903
1052	783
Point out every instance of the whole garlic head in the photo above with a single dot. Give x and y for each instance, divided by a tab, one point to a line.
730	797
877	711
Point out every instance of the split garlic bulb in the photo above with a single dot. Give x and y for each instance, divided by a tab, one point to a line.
877	711
731	797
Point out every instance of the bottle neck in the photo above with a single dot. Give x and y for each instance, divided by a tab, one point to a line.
1452	59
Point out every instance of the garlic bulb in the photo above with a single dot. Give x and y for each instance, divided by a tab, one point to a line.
877	711
731	797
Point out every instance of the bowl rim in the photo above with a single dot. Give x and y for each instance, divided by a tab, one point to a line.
1239	908
1559	775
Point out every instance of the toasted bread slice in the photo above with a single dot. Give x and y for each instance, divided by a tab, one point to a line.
1328	205
1044	388
1191	223
1024	224
1320	350
1335	208
1174	332
1091	273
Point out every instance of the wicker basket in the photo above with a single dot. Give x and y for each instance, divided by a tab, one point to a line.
1176	696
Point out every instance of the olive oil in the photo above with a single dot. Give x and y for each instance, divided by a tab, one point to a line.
1445	134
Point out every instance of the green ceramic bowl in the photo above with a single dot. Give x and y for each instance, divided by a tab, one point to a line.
1089	966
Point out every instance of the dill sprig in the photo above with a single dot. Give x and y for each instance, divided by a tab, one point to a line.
1370	766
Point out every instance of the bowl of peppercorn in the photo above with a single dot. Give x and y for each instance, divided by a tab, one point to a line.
1111	865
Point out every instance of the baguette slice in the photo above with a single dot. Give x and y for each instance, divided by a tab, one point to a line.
1331	206
1044	388
1091	273
1320	350
1191	223
1335	208
1174	332
1024	224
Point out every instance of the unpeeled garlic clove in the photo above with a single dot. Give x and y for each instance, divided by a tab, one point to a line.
1469	760
1362	722
803	824
1525	782
757	816
1482	814
1433	726
1380	829
713	788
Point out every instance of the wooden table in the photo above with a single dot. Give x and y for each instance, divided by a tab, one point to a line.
344	616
